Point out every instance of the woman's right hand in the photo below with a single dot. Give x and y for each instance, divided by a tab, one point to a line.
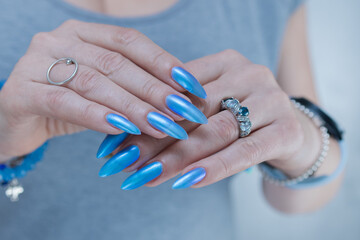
120	71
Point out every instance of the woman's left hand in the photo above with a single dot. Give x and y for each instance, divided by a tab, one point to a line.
280	135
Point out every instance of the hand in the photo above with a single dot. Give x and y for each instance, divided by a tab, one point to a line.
120	72
278	132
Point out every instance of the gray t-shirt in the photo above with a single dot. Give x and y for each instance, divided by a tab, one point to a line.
64	198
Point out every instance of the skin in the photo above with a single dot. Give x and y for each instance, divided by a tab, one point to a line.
108	57
285	138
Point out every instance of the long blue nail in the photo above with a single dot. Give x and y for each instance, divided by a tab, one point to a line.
188	81
142	176
185	109
190	178
120	161
110	143
122	123
166	125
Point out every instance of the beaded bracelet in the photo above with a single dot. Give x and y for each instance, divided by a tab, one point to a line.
18	168
275	176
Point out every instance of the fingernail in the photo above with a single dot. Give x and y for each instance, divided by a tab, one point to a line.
142	176
188	81
110	143
185	109
122	123
120	161
190	178
166	125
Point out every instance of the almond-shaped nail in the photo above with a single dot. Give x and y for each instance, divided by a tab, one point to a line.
120	161
122	123
142	176
188	81
166	125
190	178
185	109
110	143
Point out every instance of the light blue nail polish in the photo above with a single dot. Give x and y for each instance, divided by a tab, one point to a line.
110	143
188	81
185	109
122	123
190	178
142	176
120	161
166	125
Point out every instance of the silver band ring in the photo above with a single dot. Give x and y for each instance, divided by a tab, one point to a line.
68	61
241	113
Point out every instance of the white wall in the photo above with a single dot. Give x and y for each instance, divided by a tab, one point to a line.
334	37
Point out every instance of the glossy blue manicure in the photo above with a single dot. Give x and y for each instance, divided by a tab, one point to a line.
185	109
120	161
122	123
110	143
142	176
190	178
166	125
188	81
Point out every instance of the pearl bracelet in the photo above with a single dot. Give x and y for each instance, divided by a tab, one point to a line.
271	174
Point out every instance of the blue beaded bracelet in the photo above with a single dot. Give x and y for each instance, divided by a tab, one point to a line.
28	163
18	168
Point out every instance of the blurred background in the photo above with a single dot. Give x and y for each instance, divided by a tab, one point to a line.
334	39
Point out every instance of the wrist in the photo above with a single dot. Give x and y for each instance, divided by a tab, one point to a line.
304	158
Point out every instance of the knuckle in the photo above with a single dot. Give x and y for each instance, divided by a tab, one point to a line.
152	89
233	59
227	168
251	151
54	99
160	59
88	111
230	53
233	55
70	23
110	62
276	95
128	108
262	71
86	81
126	36
41	38
226	128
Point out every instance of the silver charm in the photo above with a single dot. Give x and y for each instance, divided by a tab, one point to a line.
13	190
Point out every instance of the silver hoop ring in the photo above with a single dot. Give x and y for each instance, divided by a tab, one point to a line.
241	114
68	61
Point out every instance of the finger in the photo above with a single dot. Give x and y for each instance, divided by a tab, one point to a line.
95	87
123	72
64	104
258	147
255	102
211	67
131	44
221	131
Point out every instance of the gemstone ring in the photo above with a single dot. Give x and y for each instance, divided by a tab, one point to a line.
241	114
